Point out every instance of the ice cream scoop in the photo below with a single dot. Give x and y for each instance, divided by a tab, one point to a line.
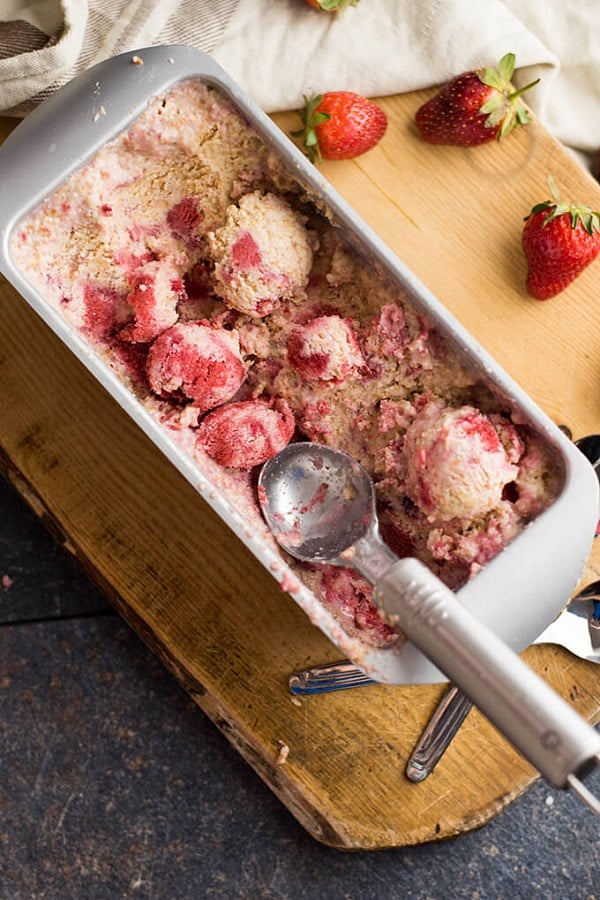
456	463
262	254
245	434
325	349
198	362
320	505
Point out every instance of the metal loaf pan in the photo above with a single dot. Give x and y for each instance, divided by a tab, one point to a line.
520	591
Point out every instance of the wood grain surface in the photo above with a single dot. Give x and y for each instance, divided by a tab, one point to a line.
215	618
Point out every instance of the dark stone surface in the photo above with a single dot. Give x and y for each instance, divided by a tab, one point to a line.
113	784
43	582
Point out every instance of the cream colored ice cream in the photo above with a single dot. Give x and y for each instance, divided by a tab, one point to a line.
192	261
325	349
262	254
456	463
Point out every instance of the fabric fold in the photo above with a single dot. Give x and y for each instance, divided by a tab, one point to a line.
92	30
24	75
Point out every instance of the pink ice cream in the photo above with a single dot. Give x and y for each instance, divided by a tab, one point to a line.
156	289
246	434
325	349
456	464
196	361
351	596
262	254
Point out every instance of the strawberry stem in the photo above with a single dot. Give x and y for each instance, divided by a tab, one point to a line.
522	90
503	108
336	5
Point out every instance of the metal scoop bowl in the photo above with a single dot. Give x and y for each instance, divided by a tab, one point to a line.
320	505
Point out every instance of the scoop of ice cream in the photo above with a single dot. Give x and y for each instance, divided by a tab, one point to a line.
156	290
325	349
262	254
246	434
197	361
455	463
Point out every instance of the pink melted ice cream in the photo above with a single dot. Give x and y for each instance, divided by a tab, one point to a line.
246	434
156	289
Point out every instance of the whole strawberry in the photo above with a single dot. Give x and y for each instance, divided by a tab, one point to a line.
340	125
559	241
475	107
332	5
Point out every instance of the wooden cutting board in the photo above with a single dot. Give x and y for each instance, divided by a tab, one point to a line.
201	601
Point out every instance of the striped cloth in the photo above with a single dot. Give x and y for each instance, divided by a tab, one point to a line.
45	43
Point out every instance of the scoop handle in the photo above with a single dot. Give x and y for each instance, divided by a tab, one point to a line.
540	724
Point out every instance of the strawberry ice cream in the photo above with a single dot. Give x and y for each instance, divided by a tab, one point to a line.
350	595
198	362
325	349
456	464
190	260
262	254
156	290
247	433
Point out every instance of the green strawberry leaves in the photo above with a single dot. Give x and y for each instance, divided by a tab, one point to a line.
504	106
577	212
310	119
500	77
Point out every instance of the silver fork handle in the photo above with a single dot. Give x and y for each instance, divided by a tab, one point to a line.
440	731
438	735
335	676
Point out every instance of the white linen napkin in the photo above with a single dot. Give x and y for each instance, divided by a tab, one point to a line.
279	50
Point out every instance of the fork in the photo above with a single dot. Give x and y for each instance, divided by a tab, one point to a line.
334	676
